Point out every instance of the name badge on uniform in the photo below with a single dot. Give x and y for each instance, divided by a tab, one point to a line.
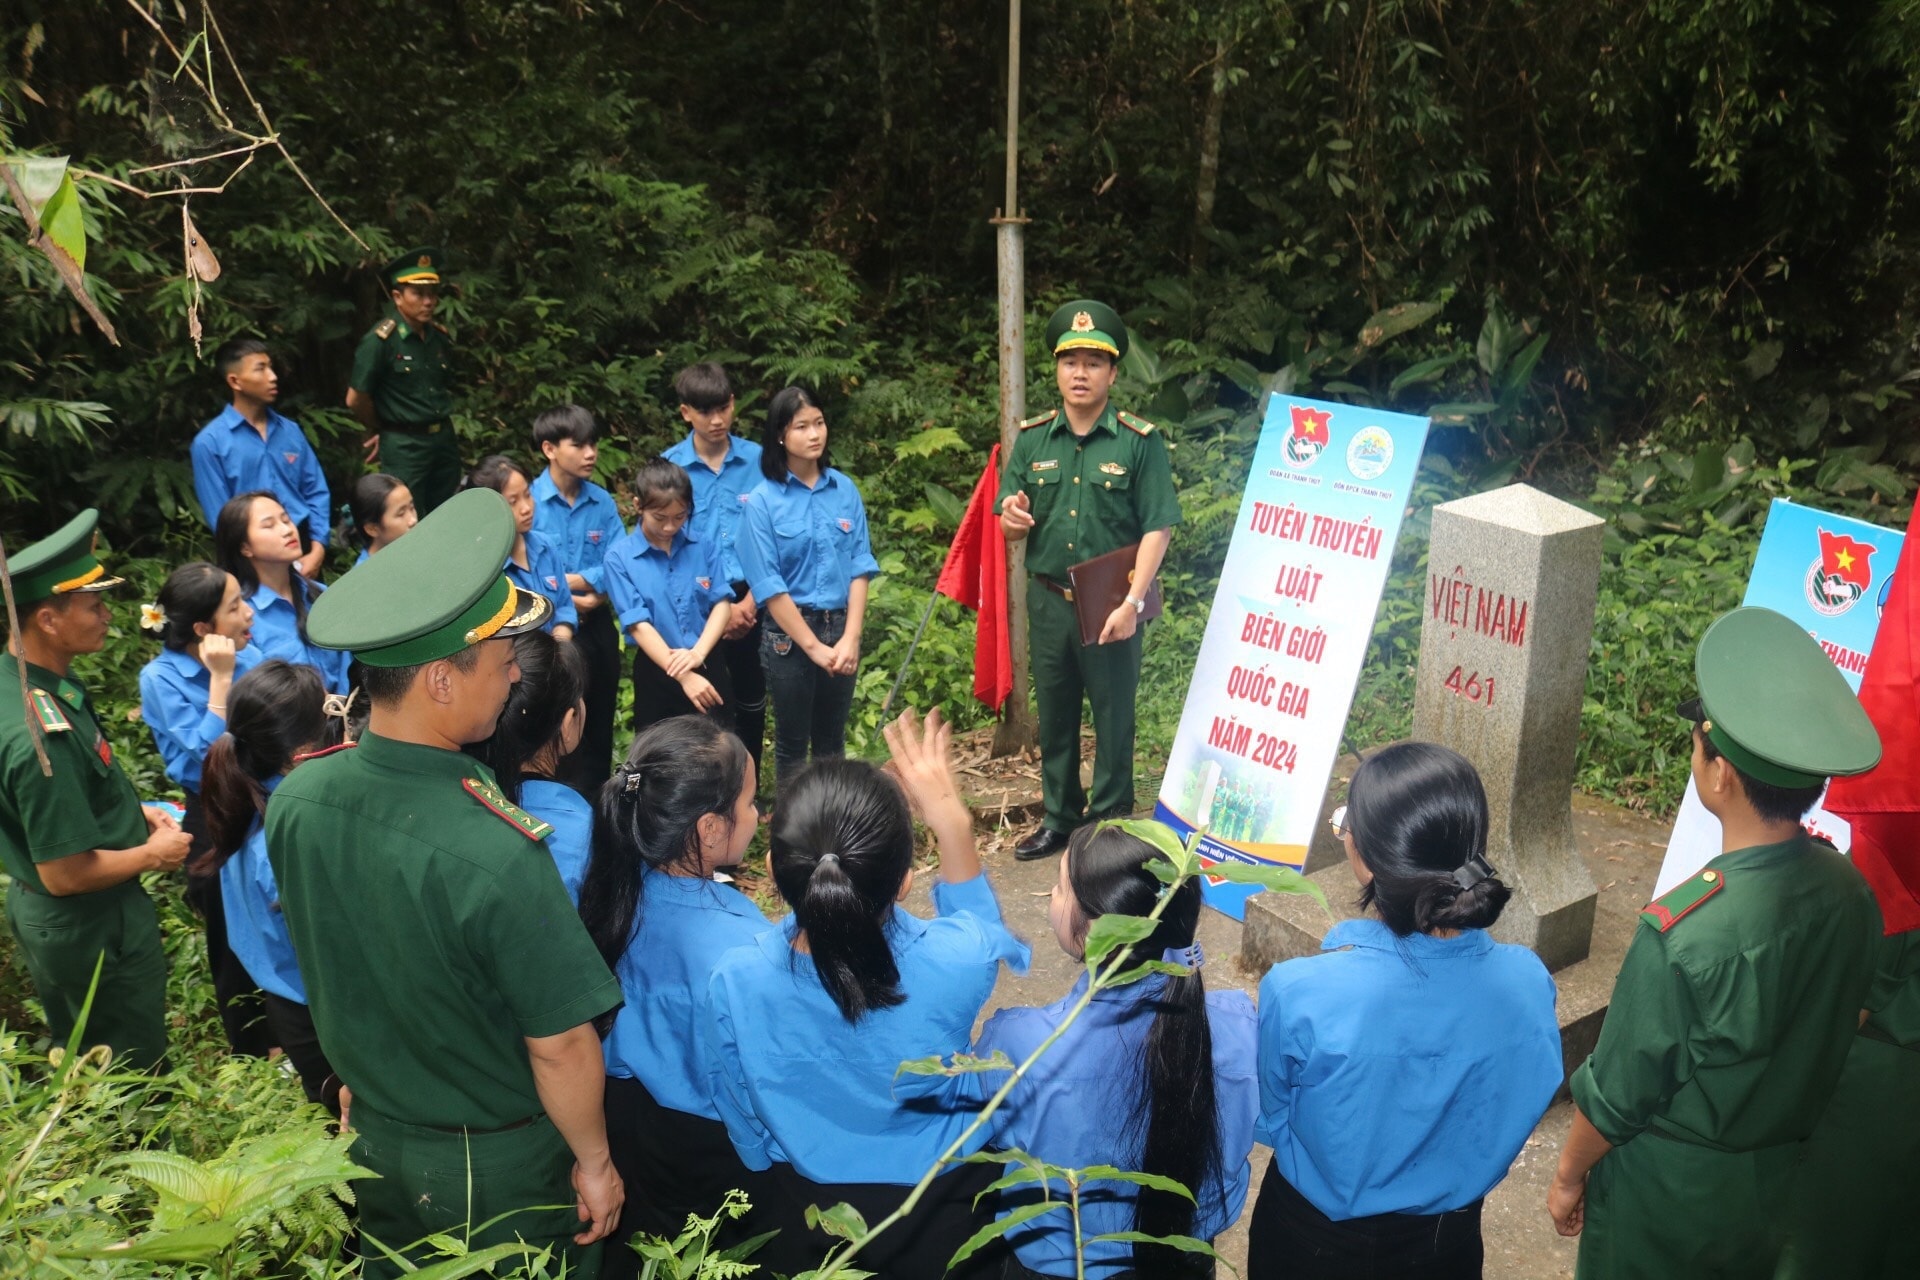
1112	469
1046	464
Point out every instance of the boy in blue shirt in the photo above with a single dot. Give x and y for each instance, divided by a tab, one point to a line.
580	518
249	446
724	469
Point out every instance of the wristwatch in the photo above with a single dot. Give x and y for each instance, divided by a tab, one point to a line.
1139	606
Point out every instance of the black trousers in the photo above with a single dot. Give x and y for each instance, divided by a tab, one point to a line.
656	698
741	657
917	1246
243	1012
674	1164
291	1025
1289	1239
590	763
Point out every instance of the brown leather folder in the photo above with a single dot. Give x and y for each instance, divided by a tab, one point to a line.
1101	585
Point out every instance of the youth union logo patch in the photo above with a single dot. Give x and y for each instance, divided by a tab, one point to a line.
1370	453
1308	437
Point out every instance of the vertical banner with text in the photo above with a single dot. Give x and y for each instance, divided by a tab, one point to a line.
1831	575
1291	621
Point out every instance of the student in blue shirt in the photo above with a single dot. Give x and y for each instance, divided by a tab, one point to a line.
250	447
255	540
535	563
205	625
538	727
678	810
379	510
278	717
804	1029
670	593
1403	1068
724	469
580	518
807	558
1159	1077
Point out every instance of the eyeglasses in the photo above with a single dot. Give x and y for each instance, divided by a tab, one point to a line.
1338	820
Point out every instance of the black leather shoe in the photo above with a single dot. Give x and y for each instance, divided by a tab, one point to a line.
1043	843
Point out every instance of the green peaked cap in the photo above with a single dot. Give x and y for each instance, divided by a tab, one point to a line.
1773	703
1087	325
432	593
60	563
419	265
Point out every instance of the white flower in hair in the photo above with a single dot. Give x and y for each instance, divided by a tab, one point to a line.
152	617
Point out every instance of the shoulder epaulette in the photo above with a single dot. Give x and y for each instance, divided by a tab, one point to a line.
1135	423
490	795
324	751
385	328
1040	419
1665	911
47	711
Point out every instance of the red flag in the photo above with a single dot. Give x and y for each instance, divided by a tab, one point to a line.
1844	558
975	574
1883	805
1311	424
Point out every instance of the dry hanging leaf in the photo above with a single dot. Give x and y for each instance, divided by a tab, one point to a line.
201	264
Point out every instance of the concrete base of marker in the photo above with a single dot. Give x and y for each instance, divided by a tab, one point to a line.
1286	926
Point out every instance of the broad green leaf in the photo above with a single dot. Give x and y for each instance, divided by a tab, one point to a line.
1157	834
1276	879
841	1220
1395	321
1111	1173
1144	968
189	1244
1513	379
946	505
1111	932
1455	414
1425	371
1186	1244
479	1261
1000	1226
40	177
64	223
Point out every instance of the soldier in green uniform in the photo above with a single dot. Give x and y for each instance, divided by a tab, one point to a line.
1082	481
399	385
1741	990
1860	1173
452	986
75	844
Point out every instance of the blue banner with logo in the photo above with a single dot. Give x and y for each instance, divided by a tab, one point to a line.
1830	574
1289	628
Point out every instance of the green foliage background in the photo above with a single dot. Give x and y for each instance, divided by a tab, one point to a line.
1648	256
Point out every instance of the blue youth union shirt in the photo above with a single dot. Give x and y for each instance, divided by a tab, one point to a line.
684	926
809	544
546	575
174	692
256	930
1403	1075
582	529
1074	1108
276	634
719	497
230	458
771	1036
673	591
572	820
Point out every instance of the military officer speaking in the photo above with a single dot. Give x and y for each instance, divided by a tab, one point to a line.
1742	988
452	986
74	844
1083	481
399	386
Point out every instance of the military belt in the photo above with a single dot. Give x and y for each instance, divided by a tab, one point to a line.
1064	592
415	428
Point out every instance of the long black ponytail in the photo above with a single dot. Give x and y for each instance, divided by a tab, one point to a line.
842	846
1174	1123
275	711
648	818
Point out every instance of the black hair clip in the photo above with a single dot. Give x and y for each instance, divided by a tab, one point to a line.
629	778
1473	871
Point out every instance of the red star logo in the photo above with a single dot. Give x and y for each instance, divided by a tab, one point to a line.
1311	424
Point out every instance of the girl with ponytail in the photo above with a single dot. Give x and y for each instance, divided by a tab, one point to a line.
1158	1077
1403	1068
678	810
279	714
804	1031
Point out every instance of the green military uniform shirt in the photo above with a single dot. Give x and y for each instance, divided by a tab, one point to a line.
1092	494
1730	1022
405	371
432	930
88	803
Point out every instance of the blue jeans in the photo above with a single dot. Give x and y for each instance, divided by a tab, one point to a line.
810	707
